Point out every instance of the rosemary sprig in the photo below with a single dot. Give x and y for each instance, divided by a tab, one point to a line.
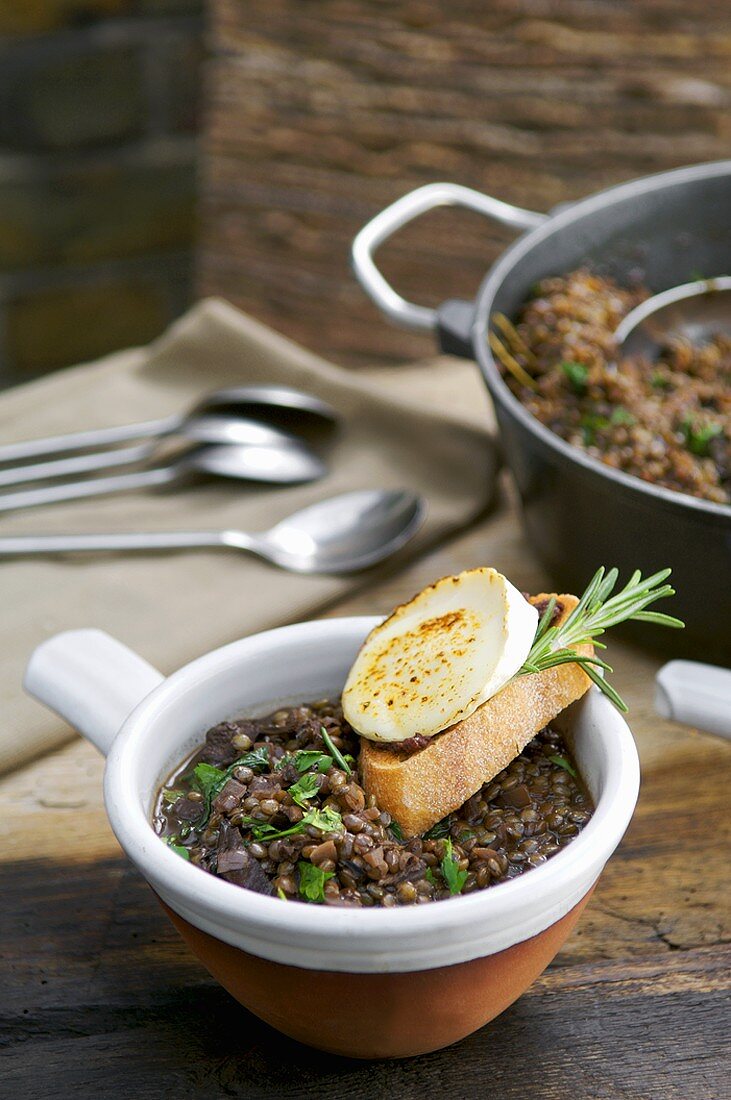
596	612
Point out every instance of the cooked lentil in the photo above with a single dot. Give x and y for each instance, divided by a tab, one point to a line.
244	817
667	421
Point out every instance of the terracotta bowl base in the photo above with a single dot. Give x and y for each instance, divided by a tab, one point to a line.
396	1015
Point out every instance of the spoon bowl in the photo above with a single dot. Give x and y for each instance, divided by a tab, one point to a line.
346	532
281	406
698	311
233	428
292	464
291	409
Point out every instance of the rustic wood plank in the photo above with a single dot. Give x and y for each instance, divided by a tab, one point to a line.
124	1005
322	113
127	1008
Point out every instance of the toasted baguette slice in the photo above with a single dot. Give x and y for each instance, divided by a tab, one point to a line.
420	788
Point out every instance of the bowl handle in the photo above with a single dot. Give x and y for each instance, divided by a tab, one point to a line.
91	680
696	694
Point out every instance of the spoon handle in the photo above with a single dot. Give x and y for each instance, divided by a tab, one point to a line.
66	544
79	464
79	490
77	441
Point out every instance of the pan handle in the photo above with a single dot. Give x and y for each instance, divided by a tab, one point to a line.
405	210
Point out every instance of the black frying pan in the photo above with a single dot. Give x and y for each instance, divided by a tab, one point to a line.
579	513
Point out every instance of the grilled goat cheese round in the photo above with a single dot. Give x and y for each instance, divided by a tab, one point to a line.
437	658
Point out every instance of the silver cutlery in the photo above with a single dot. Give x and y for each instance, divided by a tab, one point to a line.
219	428
339	535
286	465
278	405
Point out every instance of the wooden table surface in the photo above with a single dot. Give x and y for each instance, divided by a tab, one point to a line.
100	997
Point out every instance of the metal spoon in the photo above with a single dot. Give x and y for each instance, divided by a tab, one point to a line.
218	428
697	310
338	535
286	465
288	408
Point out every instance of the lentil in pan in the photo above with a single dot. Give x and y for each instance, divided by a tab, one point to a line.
274	805
667	421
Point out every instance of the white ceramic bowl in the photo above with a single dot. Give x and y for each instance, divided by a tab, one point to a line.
147	723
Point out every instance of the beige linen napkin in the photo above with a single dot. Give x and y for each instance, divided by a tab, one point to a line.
427	429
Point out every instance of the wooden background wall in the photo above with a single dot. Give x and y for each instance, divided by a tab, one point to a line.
323	111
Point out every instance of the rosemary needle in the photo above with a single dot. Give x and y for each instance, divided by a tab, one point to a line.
596	612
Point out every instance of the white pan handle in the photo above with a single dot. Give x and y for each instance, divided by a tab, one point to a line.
403	211
696	694
91	680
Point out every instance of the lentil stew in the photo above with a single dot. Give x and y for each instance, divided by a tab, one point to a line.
666	421
274	805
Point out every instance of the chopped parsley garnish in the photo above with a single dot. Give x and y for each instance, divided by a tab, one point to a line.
312	881
620	415
590	425
454	878
577	375
210	781
327	821
281	894
335	752
257	759
305	759
396	831
207	779
179	848
660	381
311	758
171	794
304	789
698	436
